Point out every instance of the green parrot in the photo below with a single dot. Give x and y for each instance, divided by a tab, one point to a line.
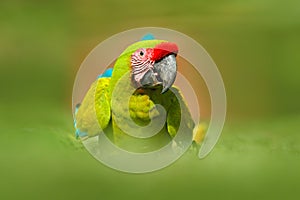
134	103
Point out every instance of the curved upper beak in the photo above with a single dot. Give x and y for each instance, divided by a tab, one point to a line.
165	67
166	71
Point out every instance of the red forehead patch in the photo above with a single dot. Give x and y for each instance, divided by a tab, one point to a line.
163	49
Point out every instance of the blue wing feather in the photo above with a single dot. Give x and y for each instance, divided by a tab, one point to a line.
148	36
106	74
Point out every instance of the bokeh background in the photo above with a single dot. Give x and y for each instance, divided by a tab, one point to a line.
255	45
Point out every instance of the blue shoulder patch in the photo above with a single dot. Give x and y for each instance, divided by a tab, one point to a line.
106	74
78	133
148	36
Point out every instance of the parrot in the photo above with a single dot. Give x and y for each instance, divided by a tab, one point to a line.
137	92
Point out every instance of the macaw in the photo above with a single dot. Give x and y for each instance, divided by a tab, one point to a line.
126	98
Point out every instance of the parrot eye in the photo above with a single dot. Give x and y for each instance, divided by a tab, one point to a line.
141	53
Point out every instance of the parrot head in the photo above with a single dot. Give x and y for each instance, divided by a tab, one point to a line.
154	66
149	64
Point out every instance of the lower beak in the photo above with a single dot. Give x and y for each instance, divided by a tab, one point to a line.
163	73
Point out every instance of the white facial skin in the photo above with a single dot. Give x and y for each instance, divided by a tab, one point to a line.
141	63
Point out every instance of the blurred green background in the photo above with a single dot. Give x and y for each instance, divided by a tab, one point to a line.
255	45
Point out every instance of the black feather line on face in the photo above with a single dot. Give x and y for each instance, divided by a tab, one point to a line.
140	65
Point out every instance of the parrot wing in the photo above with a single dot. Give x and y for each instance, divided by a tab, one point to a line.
94	113
177	108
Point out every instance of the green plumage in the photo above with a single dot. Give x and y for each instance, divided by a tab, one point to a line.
94	109
108	106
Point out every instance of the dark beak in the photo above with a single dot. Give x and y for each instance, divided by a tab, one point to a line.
166	71
163	73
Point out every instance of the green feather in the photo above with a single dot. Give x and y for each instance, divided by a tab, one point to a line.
94	109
